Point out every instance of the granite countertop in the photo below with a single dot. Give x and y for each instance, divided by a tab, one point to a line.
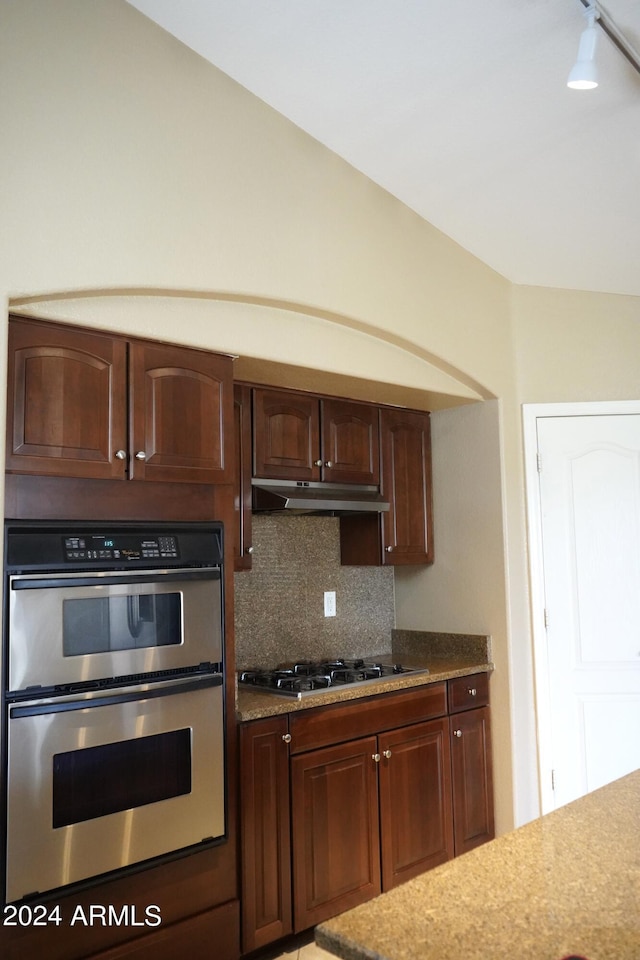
444	655
565	885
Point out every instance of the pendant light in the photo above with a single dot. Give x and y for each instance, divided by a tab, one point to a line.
584	75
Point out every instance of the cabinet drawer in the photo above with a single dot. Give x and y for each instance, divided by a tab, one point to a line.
366	716
465	693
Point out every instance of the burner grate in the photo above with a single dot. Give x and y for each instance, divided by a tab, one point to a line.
316	676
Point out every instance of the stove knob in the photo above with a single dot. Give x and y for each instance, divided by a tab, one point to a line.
286	737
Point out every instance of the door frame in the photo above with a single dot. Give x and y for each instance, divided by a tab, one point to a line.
531	413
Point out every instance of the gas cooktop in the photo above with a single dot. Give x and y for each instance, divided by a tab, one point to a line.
318	676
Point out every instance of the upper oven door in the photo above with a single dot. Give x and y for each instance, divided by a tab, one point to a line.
78	628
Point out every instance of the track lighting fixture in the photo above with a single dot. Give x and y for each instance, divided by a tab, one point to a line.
584	75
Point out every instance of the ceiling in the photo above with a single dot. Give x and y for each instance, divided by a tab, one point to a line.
461	111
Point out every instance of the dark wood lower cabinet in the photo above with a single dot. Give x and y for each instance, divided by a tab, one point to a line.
336	832
108	921
410	791
415	800
472	779
214	933
266	849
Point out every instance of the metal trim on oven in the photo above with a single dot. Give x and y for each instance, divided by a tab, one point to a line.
102	578
37	708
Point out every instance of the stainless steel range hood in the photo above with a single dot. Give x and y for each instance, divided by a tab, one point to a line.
293	496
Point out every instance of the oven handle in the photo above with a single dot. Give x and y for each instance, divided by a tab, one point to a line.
50	581
36	709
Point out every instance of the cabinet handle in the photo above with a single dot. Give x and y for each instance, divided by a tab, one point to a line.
317	463
386	754
376	757
457	733
141	455
121	454
286	737
249	550
328	463
472	691
388	549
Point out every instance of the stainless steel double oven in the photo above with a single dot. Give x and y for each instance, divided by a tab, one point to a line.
113	692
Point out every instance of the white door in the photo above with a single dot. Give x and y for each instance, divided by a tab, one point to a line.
589	503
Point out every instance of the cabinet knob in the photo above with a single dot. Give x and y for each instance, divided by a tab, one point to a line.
141	455
376	757
121	454
386	754
389	549
317	463
286	737
472	691
249	550
457	733
328	463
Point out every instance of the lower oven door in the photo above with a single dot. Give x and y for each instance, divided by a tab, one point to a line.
99	784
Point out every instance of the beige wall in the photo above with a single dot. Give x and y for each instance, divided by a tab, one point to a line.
131	168
574	346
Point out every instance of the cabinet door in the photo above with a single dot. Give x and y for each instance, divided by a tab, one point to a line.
181	414
242	487
472	774
286	444
406	483
415	800
335	830
350	442
265	824
66	402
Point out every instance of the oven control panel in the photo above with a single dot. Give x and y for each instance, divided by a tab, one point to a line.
119	548
49	545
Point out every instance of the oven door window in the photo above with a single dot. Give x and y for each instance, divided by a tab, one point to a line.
98	781
103	624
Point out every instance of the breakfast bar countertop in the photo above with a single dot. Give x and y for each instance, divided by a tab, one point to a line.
564	885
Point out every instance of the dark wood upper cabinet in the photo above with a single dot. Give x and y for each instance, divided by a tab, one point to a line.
67	401
350	450
299	436
286	435
243	547
91	405
404	534
181	414
406	482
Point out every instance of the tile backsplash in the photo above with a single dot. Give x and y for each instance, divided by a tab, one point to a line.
279	604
